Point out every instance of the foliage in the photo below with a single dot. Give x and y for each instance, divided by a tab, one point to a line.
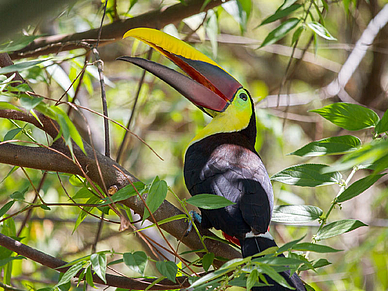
327	180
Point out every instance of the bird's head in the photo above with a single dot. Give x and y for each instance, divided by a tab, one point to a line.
207	85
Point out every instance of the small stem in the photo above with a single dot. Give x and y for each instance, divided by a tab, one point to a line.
334	202
183	204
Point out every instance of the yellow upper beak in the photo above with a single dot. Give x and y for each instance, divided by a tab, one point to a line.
210	86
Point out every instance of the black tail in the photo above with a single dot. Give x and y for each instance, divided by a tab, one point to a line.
254	245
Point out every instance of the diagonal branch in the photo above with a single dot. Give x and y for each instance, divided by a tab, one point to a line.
114	31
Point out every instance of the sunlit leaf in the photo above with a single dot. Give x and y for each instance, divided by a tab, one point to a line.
296	213
99	265
349	116
307	175
320	30
337	228
358	187
209	201
329	146
280	31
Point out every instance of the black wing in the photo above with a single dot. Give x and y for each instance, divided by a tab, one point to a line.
216	166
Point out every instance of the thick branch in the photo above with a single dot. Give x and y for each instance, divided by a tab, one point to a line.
111	280
114	31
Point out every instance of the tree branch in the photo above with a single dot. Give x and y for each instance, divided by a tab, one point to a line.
111	280
57	158
114	31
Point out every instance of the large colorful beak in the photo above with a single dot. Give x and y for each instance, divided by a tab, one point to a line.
209	86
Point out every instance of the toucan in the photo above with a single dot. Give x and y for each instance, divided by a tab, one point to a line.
221	159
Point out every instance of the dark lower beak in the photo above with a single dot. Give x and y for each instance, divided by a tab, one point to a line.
197	93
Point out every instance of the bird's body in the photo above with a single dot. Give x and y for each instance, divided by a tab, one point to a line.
227	164
221	159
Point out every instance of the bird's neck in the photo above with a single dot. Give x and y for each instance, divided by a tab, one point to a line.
229	123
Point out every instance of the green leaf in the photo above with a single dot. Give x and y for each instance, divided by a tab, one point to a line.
83	193
18	44
209	201
307	175
289	245
349	116
207	261
279	261
287	3
70	273
280	31
20	66
320	30
311	247
329	146
252	279
156	196
358	187
168	269
280	13
12	133
99	265
126	192
382	125
3	262
297	34
30	102
7	105
366	155
19	195
6	207
316	264
86	209
136	261
337	228
274	275
296	213
89	276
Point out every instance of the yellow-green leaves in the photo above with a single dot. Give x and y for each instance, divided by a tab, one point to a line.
349	116
329	146
357	188
209	201
155	197
338	227
296	213
280	31
307	175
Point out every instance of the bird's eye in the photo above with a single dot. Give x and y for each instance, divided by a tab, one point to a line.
243	96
